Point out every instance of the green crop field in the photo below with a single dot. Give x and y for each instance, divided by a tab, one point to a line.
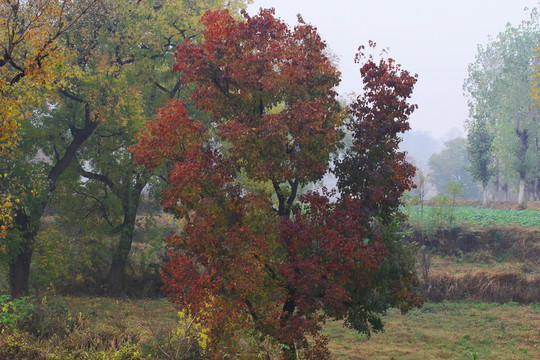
474	216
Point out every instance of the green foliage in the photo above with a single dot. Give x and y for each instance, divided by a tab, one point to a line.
66	257
455	190
498	88
15	311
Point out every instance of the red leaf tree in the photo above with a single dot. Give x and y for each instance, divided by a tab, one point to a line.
250	261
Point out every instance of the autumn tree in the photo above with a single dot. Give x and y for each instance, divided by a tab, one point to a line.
33	66
258	260
131	70
373	175
31	60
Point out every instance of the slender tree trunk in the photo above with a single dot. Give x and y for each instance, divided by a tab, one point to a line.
284	209
484	194
497	183
521	194
523	137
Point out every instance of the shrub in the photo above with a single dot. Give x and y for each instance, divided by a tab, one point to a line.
13	312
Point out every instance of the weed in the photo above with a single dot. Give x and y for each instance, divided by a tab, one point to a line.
15	311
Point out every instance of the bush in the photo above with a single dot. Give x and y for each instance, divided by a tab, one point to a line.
14	312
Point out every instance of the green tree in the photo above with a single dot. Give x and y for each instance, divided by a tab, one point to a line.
132	72
450	165
480	151
499	86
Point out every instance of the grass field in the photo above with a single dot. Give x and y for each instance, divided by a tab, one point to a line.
448	330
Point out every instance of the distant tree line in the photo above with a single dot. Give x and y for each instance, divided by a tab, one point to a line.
503	131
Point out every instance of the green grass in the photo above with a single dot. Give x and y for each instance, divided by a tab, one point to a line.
475	216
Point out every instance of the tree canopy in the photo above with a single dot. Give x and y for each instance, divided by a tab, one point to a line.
499	87
260	259
99	102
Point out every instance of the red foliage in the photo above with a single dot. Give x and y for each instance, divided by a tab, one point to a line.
268	270
246	69
374	170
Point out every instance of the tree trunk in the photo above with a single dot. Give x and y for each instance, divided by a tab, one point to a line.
497	183
130	203
289	349
484	195
19	273
19	267
523	138
521	194
116	276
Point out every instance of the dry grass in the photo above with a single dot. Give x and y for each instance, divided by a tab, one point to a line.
446	331
437	331
483	286
108	314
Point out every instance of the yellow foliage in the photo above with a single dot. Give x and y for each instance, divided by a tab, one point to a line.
535	91
31	61
192	326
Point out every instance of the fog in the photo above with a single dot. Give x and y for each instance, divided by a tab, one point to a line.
435	39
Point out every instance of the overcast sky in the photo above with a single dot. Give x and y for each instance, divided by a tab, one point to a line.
434	38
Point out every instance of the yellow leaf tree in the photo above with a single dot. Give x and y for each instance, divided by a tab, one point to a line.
31	60
119	59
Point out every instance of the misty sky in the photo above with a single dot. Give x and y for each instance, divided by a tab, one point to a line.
435	39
